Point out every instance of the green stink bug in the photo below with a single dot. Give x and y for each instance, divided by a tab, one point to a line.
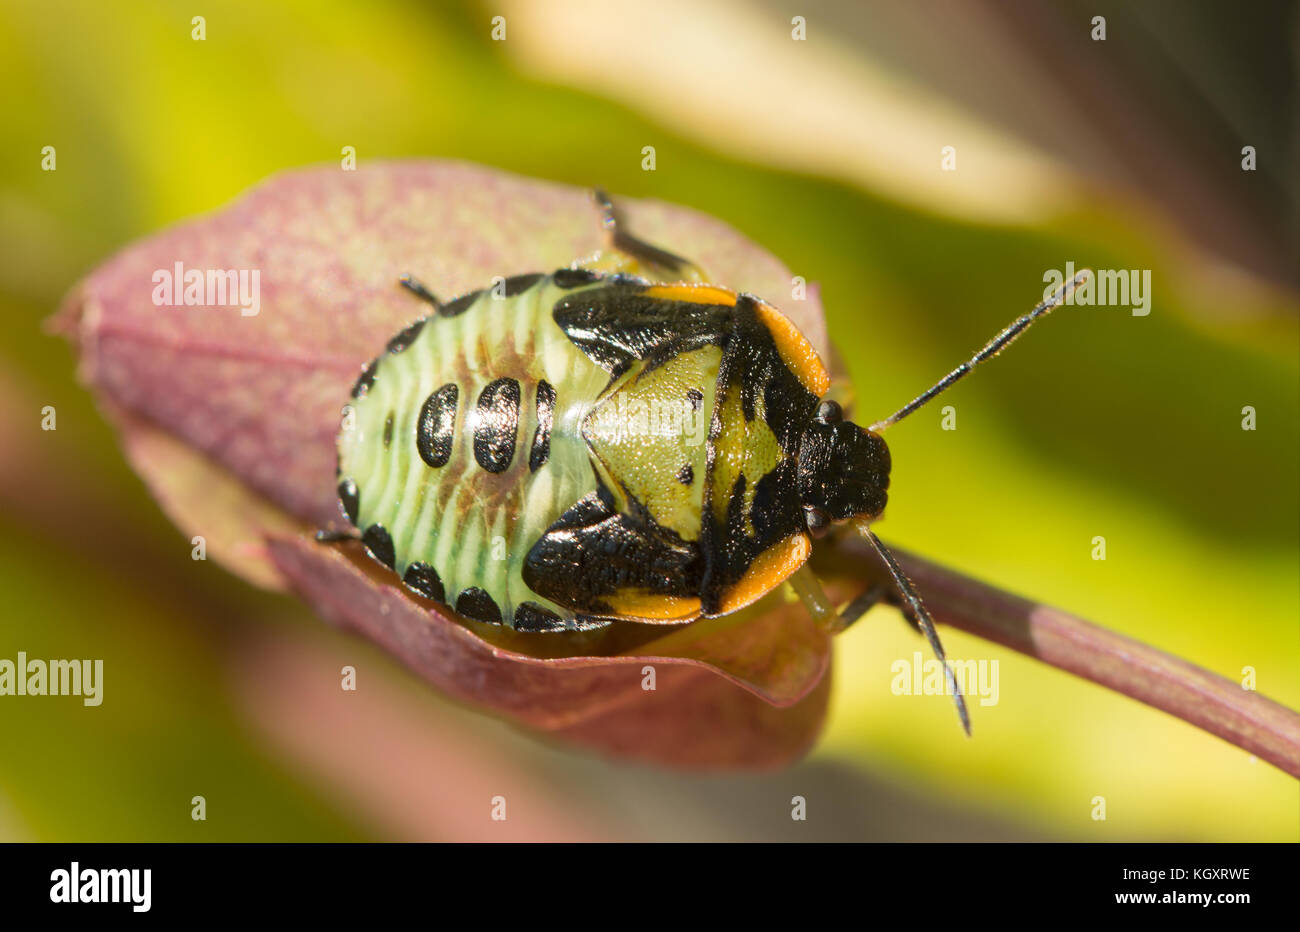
620	440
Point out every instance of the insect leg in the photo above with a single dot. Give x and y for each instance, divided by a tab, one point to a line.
646	258
880	594
870	597
416	287
809	589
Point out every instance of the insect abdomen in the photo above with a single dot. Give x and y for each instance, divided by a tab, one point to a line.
463	446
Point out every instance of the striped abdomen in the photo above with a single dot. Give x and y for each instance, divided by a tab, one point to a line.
585	448
463	445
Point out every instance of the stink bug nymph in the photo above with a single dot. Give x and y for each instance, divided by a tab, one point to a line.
620	440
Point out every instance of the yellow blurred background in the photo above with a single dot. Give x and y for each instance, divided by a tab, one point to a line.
1120	153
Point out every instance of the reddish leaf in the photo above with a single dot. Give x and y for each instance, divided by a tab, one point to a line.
696	715
231	420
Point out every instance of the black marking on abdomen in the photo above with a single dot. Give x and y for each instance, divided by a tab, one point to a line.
380	544
530	616
572	278
437	426
406	337
350	499
541	450
477	604
686	475
518	284
425	580
366	379
695	397
388	430
497	425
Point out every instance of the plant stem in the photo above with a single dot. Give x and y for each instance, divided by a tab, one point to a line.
1211	702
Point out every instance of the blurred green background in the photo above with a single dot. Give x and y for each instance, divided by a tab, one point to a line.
1121	153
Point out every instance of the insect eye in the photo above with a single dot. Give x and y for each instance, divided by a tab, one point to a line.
817	521
829	412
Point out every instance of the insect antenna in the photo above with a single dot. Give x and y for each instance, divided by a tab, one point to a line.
991	349
922	617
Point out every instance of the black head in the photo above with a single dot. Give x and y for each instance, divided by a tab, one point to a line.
843	470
